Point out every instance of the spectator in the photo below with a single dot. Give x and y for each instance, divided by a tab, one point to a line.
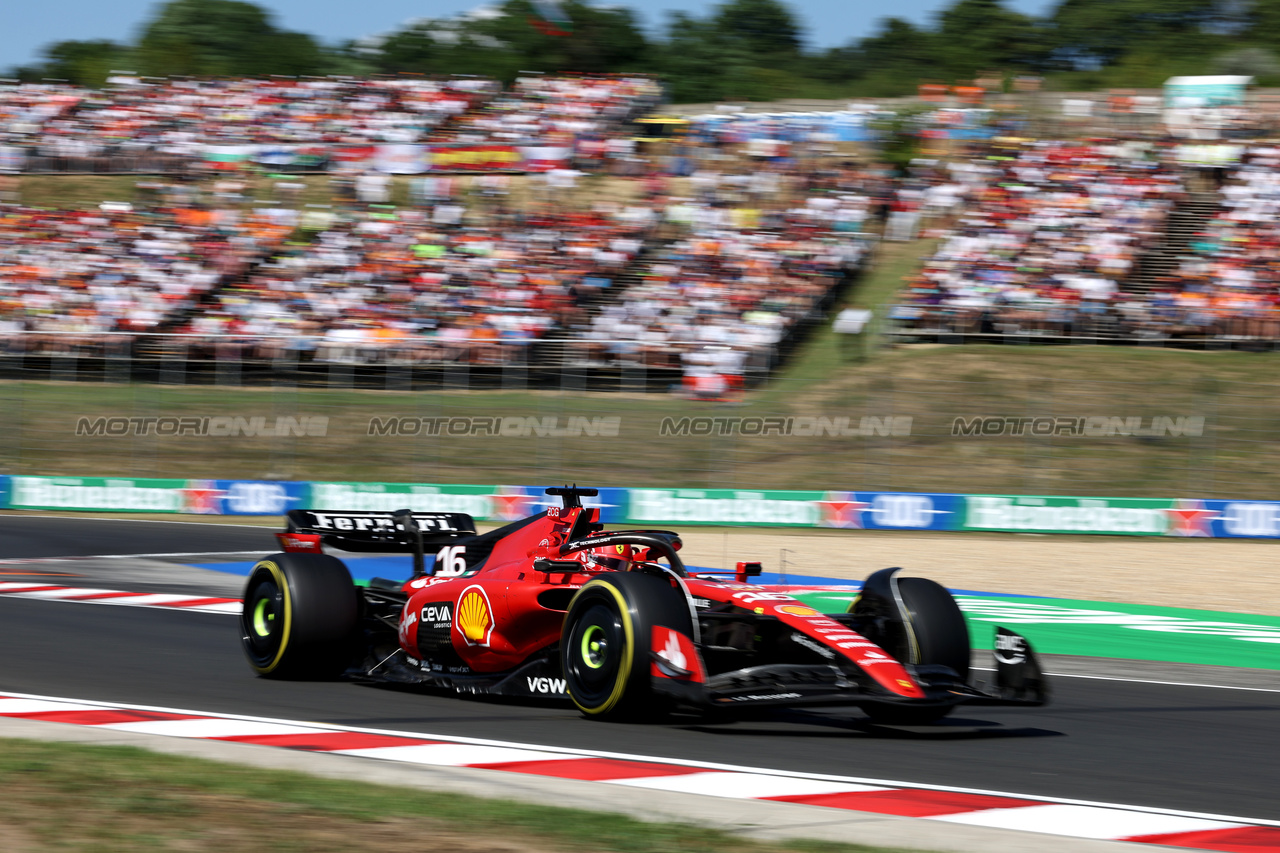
118	269
1044	241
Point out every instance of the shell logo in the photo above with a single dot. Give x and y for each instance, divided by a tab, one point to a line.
798	610
475	616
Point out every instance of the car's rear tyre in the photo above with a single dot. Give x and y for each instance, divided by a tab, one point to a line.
300	618
604	645
941	639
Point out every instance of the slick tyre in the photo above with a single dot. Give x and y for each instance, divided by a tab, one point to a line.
941	639
300	617
604	645
942	636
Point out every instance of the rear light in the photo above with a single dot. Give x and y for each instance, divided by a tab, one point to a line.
300	543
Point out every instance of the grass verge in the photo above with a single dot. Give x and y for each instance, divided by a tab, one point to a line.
1235	455
72	797
826	354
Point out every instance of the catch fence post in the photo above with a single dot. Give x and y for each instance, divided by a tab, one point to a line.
457	372
515	366
174	353
341	371
62	361
117	359
570	379
285	407
227	363
632	376
397	372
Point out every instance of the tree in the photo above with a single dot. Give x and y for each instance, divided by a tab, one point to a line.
974	35
740	50
1087	34
85	63
1261	23
412	49
766	28
889	62
1248	62
504	41
701	65
603	39
223	37
744	50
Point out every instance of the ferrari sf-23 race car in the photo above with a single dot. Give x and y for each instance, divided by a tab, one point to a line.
554	606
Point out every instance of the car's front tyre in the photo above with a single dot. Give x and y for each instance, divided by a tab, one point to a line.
939	636
604	645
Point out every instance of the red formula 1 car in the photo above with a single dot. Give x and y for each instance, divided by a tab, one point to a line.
554	606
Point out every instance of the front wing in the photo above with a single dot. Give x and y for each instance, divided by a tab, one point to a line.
1019	680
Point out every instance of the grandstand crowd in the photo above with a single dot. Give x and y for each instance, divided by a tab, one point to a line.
89	272
539	109
1042	240
738	288
484	287
732	268
1076	241
143	125
711	271
406	286
1229	283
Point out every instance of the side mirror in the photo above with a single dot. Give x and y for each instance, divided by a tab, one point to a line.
542	564
746	570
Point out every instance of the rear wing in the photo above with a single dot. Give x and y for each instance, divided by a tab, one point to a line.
401	531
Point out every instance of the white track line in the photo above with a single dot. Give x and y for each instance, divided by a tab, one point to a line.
125	598
744	786
707	765
455	754
1087	821
20	514
1150	681
71	559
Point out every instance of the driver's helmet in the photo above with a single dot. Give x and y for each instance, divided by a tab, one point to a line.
615	558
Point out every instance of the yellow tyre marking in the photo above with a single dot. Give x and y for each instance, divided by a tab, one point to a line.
628	652
283	584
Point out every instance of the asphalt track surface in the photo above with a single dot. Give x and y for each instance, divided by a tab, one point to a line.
1163	746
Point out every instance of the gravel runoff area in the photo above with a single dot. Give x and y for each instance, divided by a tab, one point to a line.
1234	575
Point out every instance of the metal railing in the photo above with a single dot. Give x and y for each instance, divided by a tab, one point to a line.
1150	327
142	162
328	362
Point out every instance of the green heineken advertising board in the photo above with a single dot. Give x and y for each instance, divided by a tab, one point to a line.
725	506
115	494
1127	516
476	501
